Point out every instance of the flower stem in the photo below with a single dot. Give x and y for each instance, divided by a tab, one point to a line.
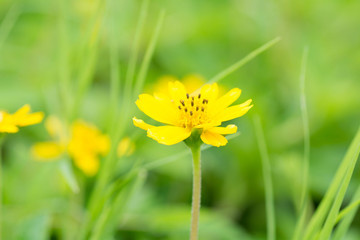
195	210
1	178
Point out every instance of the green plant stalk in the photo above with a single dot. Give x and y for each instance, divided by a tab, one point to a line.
148	55
334	211
243	61
105	172
350	212
305	121
63	60
130	74
269	194
109	218
347	210
97	198
2	136
114	72
89	58
302	207
196	195
321	212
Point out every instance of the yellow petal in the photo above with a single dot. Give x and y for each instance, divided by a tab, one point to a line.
22	117
213	138
168	135
224	101
89	164
193	83
160	110
8	128
162	85
233	112
6	123
229	129
22	111
141	124
177	91
30	119
47	150
209	91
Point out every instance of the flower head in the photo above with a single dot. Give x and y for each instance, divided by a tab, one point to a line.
84	143
185	112
10	123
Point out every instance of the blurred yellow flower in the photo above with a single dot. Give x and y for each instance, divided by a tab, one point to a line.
126	147
185	111
84	145
10	123
192	82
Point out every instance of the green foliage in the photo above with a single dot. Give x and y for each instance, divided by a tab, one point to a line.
89	59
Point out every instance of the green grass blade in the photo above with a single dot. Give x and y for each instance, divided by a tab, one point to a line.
67	172
353	206
111	214
114	69
148	55
302	207
299	229
130	74
63	60
334	211
89	58
269	195
243	61
2	136
305	121
8	23
346	216
322	211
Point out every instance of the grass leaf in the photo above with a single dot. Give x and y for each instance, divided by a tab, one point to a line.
269	193
321	212
243	61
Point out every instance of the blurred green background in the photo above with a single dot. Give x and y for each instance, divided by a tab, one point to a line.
201	37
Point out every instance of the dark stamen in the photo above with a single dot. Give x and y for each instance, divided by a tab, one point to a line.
182	102
187	96
192	103
204	101
199	96
191	113
179	107
192	98
197	108
202	109
185	109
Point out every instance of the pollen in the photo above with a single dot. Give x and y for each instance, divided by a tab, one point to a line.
193	110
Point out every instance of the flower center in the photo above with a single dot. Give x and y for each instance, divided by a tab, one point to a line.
193	110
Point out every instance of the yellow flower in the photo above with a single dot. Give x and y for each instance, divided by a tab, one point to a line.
84	145
10	123
192	82
184	111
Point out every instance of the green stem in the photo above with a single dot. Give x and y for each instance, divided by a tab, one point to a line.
1	178
195	210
